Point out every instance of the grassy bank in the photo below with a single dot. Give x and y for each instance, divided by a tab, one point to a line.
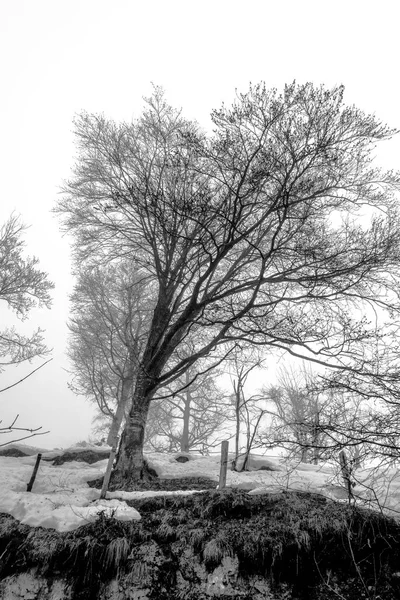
230	544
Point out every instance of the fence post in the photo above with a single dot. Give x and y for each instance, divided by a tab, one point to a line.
224	464
346	474
35	470
107	474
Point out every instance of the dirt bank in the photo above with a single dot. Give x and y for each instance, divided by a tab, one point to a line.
209	545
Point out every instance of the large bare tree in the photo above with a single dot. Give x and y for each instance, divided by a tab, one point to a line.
250	233
111	309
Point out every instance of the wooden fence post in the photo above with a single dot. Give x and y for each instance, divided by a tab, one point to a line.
35	470
107	474
346	474
224	464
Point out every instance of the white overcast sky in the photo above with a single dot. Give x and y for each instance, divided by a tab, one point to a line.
59	57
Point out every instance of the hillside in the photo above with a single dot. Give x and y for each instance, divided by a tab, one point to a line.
275	533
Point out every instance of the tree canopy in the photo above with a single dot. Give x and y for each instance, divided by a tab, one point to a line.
22	287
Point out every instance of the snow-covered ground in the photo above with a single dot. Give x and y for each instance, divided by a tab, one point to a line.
61	498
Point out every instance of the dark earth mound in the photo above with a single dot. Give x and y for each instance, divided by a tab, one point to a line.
182	459
88	456
157	484
151	481
12	452
288	546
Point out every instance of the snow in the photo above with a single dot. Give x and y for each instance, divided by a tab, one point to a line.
61	498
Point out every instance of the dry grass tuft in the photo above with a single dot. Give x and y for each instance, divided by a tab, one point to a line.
140	574
215	550
196	537
165	532
281	535
116	554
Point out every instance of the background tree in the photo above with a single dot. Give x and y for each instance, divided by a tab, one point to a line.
193	414
110	315
297	413
367	422
248	234
248	408
22	288
307	419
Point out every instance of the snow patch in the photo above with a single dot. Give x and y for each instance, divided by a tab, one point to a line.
61	498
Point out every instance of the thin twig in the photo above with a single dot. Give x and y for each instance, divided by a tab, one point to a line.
24	438
26	376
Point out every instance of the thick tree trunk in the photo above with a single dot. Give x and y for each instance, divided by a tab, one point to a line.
130	462
112	439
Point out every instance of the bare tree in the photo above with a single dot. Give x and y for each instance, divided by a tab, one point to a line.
367	422
248	233
248	409
22	287
110	316
192	414
111	307
309	420
298	410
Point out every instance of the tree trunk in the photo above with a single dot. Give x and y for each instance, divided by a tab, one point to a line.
304	452
130	464
119	414
357	457
112	439
130	461
186	418
303	443
316	439
237	416
304	455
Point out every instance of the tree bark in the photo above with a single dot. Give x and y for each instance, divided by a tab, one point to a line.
186	417
119	414
237	415
130	463
112	439
357	457
304	455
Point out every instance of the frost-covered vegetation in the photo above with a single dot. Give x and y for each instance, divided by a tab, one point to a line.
279	528
276	532
62	499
